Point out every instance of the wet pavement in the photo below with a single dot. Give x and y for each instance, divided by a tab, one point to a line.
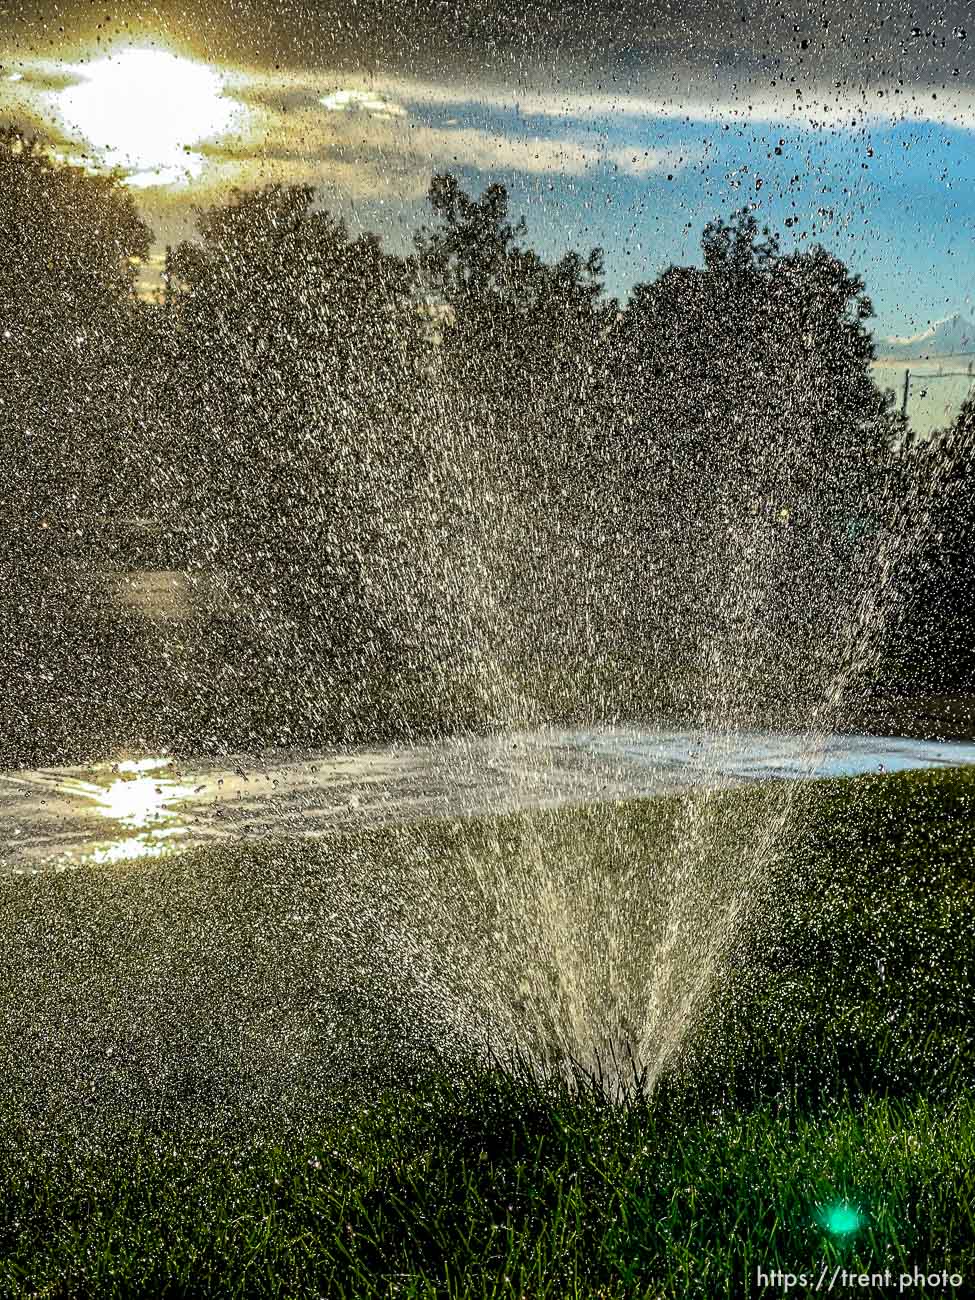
113	812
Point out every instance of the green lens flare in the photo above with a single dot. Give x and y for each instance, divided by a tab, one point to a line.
841	1218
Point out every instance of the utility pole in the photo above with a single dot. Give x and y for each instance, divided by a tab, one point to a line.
907	382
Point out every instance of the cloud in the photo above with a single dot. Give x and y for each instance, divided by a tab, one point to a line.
362	101
36	76
380	140
727	61
924	335
382	136
688	95
494	151
693	96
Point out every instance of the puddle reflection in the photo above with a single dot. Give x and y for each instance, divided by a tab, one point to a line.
143	800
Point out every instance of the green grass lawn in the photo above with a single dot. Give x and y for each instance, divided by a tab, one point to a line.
833	1067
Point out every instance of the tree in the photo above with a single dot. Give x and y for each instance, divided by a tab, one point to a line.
525	337
72	244
521	384
292	351
935	647
757	365
757	453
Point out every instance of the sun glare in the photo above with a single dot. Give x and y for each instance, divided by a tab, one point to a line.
138	798
144	110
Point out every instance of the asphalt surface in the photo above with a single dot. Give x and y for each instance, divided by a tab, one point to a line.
111	812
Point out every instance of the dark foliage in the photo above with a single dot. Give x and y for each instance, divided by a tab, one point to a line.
404	495
937	650
69	439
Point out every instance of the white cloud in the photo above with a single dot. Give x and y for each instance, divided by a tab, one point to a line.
691	97
536	155
918	338
366	141
362	101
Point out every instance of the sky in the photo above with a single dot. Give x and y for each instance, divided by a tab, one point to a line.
626	126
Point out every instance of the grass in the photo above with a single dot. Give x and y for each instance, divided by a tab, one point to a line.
489	1186
835	1068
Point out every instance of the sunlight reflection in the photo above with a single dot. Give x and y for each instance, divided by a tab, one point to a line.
156	844
139	799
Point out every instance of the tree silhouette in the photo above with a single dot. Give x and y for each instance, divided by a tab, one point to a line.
752	440
756	367
935	649
294	347
68	326
522	370
419	493
522	334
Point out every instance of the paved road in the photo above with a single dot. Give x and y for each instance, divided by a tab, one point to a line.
60	817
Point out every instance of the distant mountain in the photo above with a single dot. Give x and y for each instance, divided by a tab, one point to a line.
948	338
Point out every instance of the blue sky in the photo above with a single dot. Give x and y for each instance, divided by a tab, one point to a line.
895	201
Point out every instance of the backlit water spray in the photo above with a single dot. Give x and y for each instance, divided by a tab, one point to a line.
753	594
608	936
545	512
